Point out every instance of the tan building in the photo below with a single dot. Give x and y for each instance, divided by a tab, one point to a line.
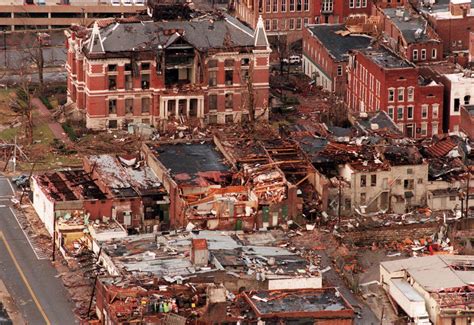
48	14
437	287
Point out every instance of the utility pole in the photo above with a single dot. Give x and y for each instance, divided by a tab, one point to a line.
14	156
54	237
5	47
339	204
467	193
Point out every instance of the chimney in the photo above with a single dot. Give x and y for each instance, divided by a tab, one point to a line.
199	252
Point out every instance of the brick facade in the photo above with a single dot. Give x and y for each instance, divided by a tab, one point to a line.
288	17
399	27
118	88
379	80
325	63
453	25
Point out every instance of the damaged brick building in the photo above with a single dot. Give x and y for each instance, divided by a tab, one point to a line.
381	80
139	70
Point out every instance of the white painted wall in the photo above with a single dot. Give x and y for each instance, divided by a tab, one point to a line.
43	206
315	282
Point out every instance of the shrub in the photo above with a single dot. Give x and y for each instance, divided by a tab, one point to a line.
69	131
46	102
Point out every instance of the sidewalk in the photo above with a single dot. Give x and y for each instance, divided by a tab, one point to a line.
10	306
55	127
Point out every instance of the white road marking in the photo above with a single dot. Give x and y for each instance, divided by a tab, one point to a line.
40	255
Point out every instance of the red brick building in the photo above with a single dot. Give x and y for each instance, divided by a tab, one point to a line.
286	18
467	120
325	55
410	35
453	20
380	80
130	71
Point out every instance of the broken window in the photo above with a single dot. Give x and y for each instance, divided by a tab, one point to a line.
409	112
467	99
212	78
245	75
112	67
182	104
391	95
229	118
112	106
408	184
112	82
212	102
128	105
145	105
229	77
373	180
363	198
347	204
128	82
145	81
363	180
171	108
193	107
229	103
457	103
212	119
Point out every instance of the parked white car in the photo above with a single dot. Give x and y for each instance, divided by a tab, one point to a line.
293	59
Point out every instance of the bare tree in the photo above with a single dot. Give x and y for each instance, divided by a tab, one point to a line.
20	103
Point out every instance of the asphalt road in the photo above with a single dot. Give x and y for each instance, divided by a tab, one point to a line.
38	293
367	315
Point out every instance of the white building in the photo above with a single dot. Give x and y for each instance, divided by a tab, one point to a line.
443	282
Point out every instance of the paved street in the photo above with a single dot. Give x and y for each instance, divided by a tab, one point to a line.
33	284
334	279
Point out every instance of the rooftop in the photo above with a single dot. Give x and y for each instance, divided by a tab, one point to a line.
168	255
126	175
412	26
194	163
437	272
212	33
70	185
301	303
386	59
335	40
